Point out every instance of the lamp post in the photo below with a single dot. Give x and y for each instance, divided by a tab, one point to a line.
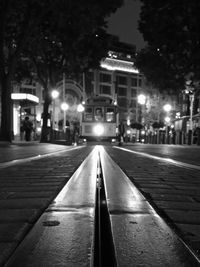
167	108
54	95
64	107
80	109
190	90
141	99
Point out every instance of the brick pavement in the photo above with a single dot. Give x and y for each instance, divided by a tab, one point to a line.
173	191
27	189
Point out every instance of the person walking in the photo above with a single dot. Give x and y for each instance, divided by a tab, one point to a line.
28	127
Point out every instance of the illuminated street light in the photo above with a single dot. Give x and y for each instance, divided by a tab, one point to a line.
141	99
64	107
54	95
167	107
80	108
167	119
128	122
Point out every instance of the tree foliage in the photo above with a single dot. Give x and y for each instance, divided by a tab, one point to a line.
157	71
49	33
172	28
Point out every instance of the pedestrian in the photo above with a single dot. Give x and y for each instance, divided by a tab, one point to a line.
76	135
28	127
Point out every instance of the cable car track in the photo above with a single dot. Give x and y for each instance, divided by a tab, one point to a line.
99	213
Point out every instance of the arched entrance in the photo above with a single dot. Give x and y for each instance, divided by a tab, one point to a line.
72	93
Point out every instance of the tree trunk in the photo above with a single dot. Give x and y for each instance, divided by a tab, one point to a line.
6	132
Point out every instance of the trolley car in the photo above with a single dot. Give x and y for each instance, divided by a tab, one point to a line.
99	119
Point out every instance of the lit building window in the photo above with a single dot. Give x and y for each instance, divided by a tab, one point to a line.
110	114
88	115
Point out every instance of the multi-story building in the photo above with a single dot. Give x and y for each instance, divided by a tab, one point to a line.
118	78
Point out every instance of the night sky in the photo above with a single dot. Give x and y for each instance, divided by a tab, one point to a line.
124	24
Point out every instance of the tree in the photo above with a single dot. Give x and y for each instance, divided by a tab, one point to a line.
48	33
70	44
157	71
172	29
17	20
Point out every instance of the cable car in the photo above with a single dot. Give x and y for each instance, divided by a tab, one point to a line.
99	119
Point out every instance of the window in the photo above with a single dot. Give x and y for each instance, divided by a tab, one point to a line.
88	129
134	82
28	90
105	89
122	102
140	82
133	93
110	114
98	114
122	91
133	104
105	78
88	114
122	80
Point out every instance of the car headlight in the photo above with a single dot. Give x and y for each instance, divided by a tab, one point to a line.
98	129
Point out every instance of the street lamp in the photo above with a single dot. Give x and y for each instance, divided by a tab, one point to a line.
64	107
80	108
167	119
54	95
141	99
167	108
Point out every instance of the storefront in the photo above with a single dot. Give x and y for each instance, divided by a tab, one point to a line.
24	105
